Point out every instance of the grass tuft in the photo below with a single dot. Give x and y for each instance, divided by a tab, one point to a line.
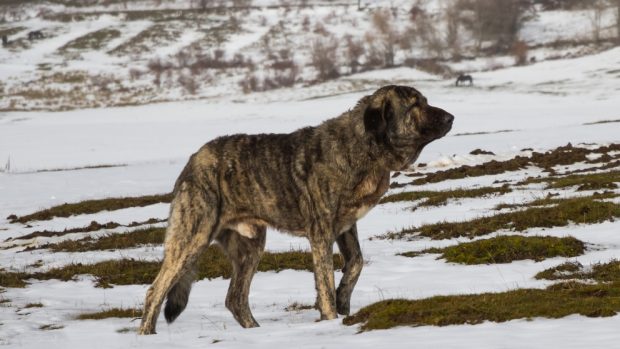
297	307
505	249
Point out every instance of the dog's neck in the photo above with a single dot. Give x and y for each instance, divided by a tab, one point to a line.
361	147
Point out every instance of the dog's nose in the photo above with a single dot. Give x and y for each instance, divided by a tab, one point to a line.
448	118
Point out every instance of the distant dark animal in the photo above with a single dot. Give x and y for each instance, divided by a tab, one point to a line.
315	182
533	59
464	78
5	40
35	34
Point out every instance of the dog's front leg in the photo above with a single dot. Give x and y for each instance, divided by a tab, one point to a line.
349	246
322	250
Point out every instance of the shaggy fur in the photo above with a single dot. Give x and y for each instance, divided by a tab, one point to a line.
315	182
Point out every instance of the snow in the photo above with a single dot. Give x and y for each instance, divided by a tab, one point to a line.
544	105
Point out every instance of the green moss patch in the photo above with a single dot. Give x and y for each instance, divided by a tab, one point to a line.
505	249
436	198
564	212
93	206
556	301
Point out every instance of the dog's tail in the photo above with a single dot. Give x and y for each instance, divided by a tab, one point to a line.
178	296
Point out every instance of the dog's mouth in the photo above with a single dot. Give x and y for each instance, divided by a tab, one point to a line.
447	120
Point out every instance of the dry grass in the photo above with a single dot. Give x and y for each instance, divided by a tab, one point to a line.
92	41
145	236
11	31
33	305
11	279
298	307
602	122
50	327
148	39
565	155
110	313
602	272
93	226
481	133
211	264
590	181
93	206
436	198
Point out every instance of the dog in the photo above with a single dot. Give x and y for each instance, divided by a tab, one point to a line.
464	78
315	182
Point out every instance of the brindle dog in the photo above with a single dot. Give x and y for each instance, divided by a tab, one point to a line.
315	182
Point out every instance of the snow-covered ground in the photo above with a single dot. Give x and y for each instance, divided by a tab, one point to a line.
49	158
150	144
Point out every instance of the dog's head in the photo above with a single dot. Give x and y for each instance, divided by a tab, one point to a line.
400	119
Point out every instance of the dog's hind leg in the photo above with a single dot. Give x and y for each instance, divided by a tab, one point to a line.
244	253
322	258
349	247
191	227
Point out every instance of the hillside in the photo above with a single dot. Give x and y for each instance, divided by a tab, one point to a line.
131	53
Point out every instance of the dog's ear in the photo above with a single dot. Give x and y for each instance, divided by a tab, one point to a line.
376	120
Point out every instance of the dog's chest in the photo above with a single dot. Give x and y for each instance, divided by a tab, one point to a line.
367	193
372	187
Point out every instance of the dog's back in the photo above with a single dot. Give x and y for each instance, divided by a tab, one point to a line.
260	175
